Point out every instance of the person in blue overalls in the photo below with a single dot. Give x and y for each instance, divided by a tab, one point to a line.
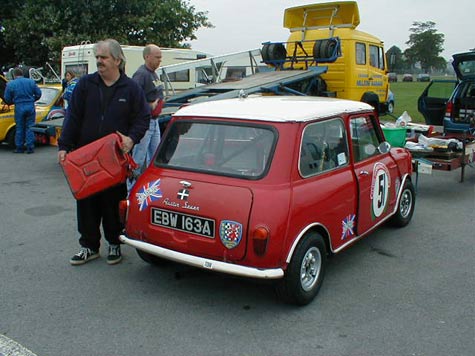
23	92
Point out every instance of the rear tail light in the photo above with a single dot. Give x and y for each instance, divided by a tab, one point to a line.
123	209
449	109
260	239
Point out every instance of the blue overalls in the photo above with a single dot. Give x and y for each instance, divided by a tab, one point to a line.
23	93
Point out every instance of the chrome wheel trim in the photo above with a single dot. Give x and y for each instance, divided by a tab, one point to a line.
310	268
406	203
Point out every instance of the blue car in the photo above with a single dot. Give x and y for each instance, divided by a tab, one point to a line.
451	103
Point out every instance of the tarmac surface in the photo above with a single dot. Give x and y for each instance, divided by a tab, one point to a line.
396	292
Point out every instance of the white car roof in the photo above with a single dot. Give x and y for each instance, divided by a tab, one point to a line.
274	108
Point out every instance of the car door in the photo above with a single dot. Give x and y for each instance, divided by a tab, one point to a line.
376	173
433	101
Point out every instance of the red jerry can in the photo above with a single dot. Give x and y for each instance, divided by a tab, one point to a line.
97	166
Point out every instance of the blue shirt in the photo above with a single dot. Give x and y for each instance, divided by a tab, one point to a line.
22	91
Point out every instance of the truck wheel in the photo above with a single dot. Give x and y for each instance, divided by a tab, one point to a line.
406	206
330	47
152	259
304	275
319	49
273	52
391	107
10	138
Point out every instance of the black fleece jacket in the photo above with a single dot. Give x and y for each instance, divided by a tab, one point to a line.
90	119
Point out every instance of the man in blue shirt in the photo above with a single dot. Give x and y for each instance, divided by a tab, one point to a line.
148	80
23	92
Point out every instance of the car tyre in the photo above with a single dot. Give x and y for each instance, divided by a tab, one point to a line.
391	107
152	259
10	138
406	205
305	273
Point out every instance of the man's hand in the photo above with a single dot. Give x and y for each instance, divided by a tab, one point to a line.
127	143
61	156
154	104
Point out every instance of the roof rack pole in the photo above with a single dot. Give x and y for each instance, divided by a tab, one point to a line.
334	14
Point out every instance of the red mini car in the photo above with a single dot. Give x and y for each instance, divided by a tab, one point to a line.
267	187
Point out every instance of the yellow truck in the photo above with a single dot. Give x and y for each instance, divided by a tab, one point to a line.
326	34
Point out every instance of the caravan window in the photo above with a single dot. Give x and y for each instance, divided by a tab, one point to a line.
79	69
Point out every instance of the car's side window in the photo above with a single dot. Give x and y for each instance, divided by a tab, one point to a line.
376	57
323	147
360	53
364	138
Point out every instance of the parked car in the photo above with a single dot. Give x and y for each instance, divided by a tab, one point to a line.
451	103
49	105
407	78
392	77
423	77
268	187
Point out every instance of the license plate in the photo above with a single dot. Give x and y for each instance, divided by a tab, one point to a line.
183	222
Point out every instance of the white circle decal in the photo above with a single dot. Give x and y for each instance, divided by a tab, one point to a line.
379	189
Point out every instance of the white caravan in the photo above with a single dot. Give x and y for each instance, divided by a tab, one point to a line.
81	59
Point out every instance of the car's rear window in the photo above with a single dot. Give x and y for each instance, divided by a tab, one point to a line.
467	68
223	148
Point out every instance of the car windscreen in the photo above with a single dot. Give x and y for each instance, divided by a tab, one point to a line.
217	147
48	95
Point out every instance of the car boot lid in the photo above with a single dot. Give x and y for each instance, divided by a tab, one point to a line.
464	65
204	217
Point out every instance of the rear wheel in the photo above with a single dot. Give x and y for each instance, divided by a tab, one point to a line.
304	275
10	138
152	259
406	206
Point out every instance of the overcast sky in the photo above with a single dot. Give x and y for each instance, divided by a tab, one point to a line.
245	24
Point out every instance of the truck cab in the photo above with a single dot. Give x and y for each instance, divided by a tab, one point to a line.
326	34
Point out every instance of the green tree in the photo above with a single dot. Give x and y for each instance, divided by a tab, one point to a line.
37	30
425	45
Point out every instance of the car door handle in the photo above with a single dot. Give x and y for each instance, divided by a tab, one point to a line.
364	173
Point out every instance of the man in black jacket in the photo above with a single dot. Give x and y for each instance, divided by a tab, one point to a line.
103	103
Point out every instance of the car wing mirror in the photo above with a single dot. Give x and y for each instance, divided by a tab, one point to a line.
384	147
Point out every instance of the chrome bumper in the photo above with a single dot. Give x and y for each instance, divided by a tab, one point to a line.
205	263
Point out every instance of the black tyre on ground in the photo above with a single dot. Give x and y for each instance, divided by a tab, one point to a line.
406	206
10	138
305	273
152	259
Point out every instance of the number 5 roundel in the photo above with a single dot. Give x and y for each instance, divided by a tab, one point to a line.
379	190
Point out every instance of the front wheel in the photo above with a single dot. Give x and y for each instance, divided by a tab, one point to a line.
304	275
406	206
390	107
